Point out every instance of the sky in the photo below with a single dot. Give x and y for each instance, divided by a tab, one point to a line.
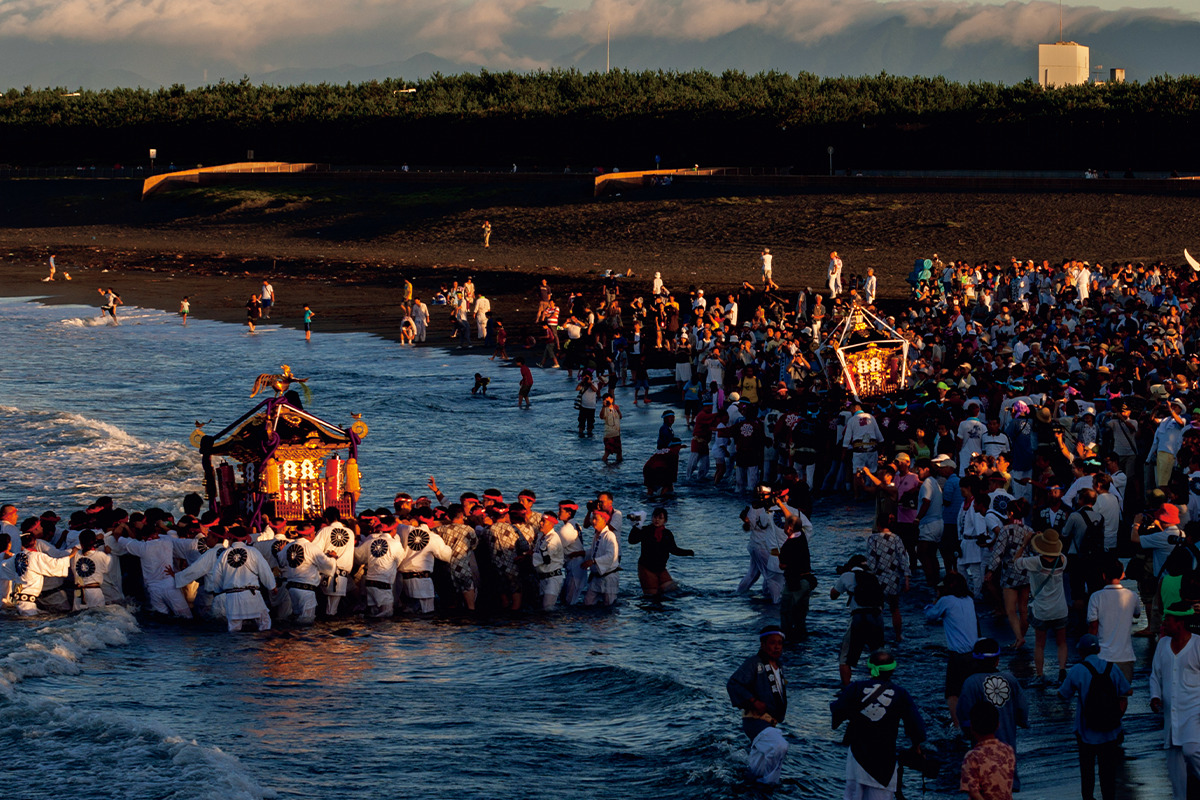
162	41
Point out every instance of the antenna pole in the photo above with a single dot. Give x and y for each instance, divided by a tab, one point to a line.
608	49
1060	20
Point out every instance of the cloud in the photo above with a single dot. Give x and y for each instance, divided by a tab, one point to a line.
499	33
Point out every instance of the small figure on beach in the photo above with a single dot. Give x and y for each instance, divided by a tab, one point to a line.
50	277
767	280
308	315
253	311
268	298
835	275
185	308
481	384
487	233
111	301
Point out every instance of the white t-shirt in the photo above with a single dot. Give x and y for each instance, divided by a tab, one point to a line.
1115	608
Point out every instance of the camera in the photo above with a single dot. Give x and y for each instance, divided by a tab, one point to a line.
591	505
1180	539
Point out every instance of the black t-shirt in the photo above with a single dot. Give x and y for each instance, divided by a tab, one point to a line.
795	559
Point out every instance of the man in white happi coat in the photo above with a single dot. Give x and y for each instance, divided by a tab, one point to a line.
1175	692
157	555
547	557
574	553
603	561
616	520
88	569
54	596
482	307
239	576
336	538
416	570
26	570
303	563
381	554
767	526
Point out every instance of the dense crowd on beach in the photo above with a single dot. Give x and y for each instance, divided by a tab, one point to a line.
1043	451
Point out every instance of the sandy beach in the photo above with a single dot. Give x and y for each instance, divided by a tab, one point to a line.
346	248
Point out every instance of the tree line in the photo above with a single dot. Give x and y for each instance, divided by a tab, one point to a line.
560	117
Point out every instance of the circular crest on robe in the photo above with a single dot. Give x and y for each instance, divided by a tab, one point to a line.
379	548
996	690
201	546
295	555
418	539
278	545
339	537
236	557
85	567
21	563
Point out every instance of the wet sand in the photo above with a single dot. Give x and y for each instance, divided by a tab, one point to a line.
345	248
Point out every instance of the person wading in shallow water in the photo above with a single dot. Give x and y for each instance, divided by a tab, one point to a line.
759	689
658	545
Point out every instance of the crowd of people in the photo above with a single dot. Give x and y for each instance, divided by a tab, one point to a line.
1044	449
479	553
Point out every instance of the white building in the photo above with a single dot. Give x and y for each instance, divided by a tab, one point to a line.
1063	64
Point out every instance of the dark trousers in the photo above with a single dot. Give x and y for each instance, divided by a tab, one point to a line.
1108	755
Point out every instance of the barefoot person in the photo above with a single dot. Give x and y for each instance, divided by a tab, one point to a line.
308	315
111	301
658	545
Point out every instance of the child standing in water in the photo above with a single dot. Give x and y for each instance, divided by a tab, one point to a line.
501	341
308	315
185	308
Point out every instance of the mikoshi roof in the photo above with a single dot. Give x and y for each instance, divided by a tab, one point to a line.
246	439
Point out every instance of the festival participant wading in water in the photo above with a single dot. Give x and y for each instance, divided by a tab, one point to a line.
759	689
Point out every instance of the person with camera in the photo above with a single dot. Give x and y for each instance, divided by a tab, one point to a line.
658	545
795	560
874	708
759	689
765	520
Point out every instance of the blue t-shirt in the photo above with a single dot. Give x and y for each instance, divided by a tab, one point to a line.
958	620
1079	679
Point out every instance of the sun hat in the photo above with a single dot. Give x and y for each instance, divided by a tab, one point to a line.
1047	543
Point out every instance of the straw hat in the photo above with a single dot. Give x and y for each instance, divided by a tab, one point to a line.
1043	415
1047	543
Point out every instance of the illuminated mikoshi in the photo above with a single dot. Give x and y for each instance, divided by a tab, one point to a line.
289	459
871	355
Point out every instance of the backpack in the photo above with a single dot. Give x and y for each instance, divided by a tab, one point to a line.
867	591
1101	706
1091	544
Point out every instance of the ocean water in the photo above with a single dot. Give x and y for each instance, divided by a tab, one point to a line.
580	704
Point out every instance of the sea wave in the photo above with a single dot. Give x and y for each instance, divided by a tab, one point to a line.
55	647
130	759
57	458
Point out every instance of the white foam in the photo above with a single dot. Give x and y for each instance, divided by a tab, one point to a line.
64	459
55	647
86	322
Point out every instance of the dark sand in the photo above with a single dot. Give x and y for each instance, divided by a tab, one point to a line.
344	247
